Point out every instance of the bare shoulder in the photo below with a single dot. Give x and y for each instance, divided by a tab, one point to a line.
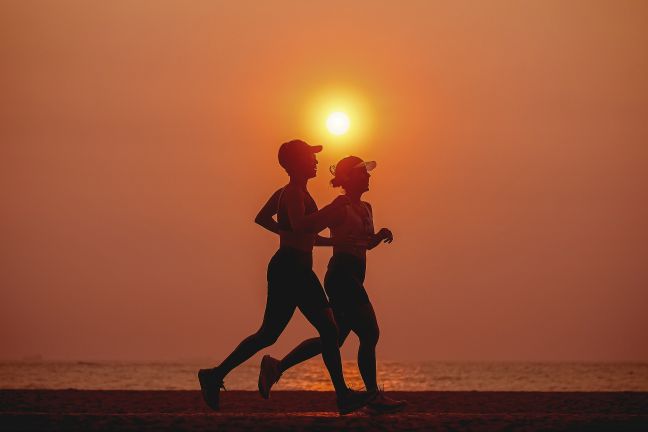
278	192
340	199
292	190
275	197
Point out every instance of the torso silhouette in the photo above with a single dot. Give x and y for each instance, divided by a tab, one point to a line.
299	240
357	222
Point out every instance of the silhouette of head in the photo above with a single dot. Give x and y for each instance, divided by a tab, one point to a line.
352	173
298	158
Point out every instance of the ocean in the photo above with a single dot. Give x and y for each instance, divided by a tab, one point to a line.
407	376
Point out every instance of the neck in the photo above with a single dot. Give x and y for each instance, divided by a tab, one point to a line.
298	181
354	196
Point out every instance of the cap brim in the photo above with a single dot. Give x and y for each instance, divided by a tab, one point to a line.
315	148
370	165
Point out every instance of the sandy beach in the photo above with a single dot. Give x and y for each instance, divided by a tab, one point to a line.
295	410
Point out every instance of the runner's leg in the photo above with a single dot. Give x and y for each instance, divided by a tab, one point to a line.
322	319
363	322
277	315
310	348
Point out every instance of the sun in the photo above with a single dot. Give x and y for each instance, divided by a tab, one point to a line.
338	123
340	116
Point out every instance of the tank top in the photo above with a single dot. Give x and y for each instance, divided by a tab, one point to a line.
357	222
282	215
363	213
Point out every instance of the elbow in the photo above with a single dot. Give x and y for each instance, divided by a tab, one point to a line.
261	220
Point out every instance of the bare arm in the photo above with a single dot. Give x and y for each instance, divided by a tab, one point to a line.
265	217
324	241
383	235
373	241
314	222
348	240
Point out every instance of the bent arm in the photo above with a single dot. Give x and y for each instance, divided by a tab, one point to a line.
374	241
323	241
265	217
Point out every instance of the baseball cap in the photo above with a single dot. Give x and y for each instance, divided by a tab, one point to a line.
292	150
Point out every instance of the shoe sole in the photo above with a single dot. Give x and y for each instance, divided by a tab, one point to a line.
353	408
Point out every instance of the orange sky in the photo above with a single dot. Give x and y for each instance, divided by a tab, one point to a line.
138	141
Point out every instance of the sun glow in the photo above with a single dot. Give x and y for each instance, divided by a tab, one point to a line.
341	118
338	123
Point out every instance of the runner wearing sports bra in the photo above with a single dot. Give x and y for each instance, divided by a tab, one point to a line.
344	284
291	281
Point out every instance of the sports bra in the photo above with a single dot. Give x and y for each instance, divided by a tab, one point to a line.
282	215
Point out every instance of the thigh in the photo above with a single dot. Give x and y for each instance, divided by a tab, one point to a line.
327	325
309	294
314	305
279	309
345	290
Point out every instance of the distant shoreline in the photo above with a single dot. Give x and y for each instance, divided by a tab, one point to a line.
311	375
305	410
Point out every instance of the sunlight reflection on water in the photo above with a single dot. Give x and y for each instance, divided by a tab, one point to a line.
413	376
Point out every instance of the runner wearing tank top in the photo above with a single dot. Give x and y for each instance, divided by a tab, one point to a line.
291	281
352	234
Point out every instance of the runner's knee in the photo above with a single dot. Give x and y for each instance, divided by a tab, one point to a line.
328	331
342	335
265	338
370	336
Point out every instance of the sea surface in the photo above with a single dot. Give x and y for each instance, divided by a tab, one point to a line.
412	376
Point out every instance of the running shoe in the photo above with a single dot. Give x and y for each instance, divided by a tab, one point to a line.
353	401
210	385
268	375
382	403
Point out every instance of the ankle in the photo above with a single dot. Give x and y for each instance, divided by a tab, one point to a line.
342	392
216	373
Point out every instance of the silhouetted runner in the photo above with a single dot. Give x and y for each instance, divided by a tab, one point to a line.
344	284
291	280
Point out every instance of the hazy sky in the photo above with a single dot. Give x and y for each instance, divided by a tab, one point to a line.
139	138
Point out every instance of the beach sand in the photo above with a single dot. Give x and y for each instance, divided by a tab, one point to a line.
296	410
